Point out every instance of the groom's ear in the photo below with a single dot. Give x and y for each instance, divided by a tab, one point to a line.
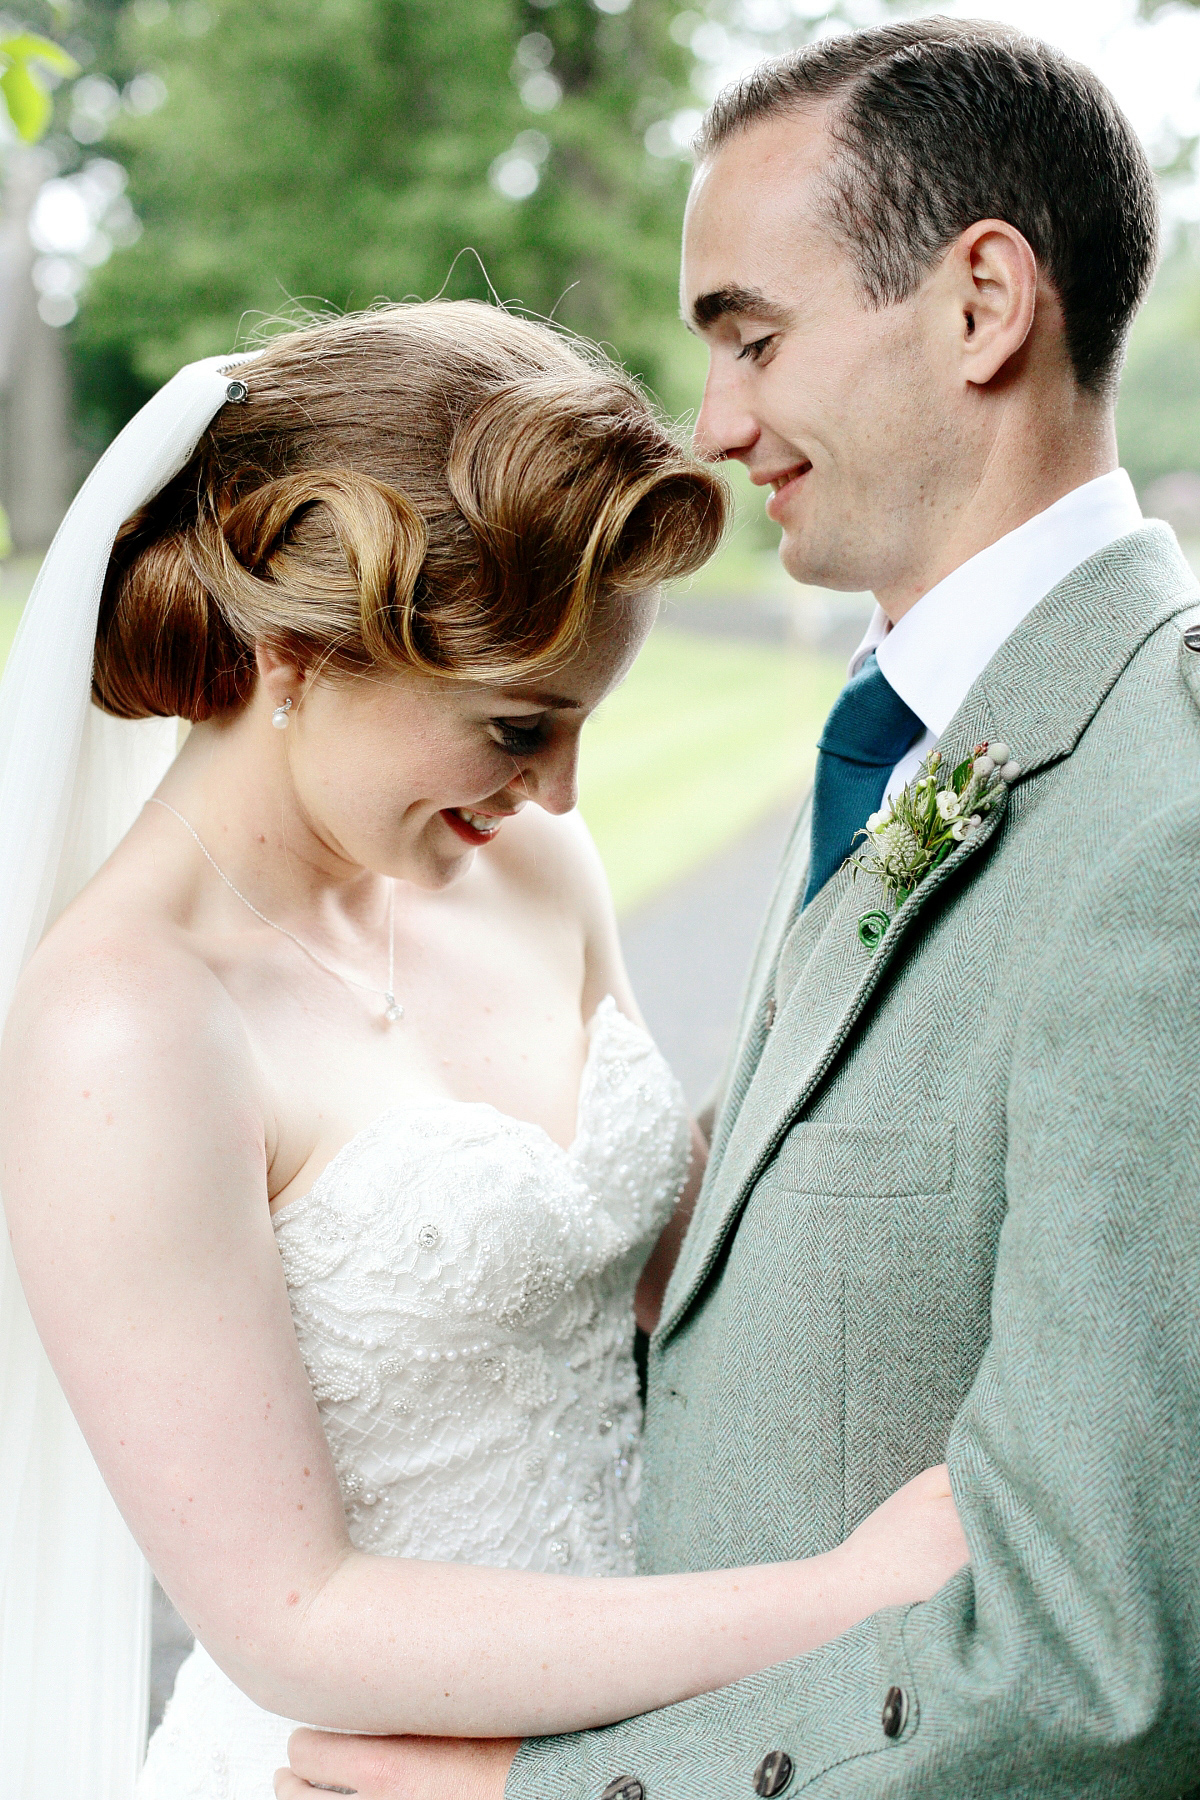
991	278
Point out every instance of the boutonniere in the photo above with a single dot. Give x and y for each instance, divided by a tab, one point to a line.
907	839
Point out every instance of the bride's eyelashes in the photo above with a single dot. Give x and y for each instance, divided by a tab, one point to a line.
518	740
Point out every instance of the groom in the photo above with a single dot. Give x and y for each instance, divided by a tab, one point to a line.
953	1206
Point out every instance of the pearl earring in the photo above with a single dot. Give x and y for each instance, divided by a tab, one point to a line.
279	717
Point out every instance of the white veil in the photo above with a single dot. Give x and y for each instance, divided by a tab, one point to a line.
74	1590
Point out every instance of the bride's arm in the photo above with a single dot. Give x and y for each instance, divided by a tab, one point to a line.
133	1168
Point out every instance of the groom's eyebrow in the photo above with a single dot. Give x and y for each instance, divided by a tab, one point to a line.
736	303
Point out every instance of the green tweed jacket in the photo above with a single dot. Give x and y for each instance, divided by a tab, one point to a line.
953	1210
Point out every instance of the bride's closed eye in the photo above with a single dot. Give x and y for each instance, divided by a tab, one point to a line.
516	738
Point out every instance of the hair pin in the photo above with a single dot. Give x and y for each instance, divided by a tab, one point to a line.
237	391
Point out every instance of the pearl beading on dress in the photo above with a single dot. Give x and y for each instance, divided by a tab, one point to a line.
462	1293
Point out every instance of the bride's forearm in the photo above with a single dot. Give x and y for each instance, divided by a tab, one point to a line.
390	1645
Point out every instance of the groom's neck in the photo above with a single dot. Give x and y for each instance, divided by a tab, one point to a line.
1037	452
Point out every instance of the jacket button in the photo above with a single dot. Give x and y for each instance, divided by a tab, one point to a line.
773	1773
770	1014
1191	637
893	1712
625	1787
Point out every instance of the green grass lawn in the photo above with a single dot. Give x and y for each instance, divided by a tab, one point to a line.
705	736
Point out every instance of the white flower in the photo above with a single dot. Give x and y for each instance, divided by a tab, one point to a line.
908	837
898	842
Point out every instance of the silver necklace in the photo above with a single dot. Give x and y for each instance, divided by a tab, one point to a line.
392	1007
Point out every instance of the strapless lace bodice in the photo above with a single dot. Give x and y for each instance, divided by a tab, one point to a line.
462	1291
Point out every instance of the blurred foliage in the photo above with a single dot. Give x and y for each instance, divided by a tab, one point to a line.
1158	415
334	152
25	57
293	153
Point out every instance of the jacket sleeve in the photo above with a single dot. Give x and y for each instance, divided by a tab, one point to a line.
1065	1662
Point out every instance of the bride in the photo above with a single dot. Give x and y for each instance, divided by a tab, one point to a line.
333	1146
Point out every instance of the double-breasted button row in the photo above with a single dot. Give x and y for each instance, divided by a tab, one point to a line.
773	1773
776	1768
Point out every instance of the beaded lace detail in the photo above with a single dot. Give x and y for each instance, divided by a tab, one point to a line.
462	1293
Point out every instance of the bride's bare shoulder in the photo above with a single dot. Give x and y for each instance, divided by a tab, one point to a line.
560	875
554	859
114	1002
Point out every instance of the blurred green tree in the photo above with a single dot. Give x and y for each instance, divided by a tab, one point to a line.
24	55
339	151
1158	413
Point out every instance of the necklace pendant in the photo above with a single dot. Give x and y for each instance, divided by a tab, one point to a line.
394	1010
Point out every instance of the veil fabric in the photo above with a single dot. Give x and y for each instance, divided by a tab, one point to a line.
74	1589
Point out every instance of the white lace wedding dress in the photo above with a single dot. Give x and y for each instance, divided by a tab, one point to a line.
462	1292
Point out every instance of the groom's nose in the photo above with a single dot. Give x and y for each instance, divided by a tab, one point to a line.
725	426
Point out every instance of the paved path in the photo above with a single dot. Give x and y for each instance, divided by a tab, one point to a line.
688	950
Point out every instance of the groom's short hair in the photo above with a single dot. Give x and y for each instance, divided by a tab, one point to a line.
939	123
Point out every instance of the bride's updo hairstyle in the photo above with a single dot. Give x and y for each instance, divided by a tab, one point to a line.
440	487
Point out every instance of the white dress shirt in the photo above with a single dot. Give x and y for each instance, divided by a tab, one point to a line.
935	652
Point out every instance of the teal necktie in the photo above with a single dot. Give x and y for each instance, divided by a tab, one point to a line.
867	732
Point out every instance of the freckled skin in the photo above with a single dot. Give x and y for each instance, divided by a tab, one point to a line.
232	1068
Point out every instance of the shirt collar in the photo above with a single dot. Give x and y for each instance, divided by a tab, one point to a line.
933	656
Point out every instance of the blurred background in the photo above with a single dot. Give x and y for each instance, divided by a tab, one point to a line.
178	173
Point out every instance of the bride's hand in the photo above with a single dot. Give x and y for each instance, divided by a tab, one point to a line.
910	1546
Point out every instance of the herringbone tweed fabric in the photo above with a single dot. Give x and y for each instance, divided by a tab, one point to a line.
954	1210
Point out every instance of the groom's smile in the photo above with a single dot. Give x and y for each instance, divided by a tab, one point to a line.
860	417
784	487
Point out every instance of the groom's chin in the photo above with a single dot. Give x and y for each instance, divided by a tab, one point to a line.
816	564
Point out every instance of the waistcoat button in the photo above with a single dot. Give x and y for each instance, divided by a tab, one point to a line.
770	1014
625	1787
773	1773
1191	637
893	1712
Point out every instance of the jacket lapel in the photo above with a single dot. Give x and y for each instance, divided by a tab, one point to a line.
818	1004
751	1031
1039	693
